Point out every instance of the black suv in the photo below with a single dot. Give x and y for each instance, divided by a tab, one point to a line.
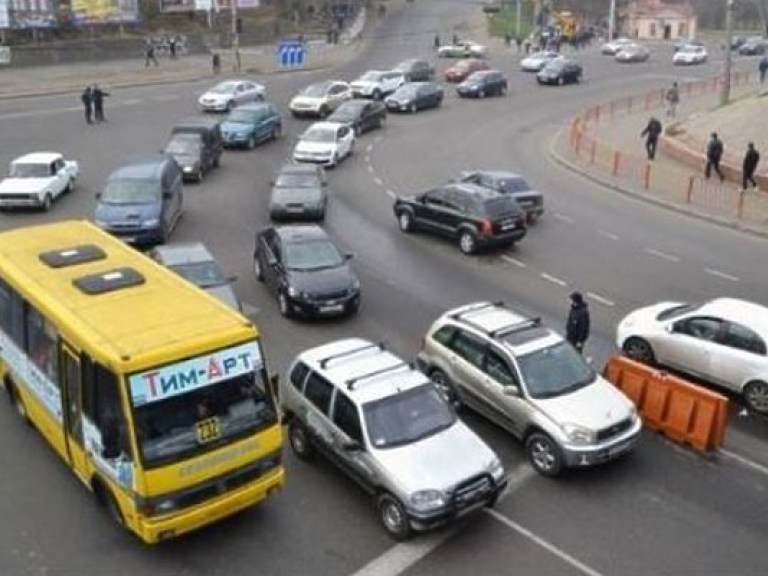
474	215
305	270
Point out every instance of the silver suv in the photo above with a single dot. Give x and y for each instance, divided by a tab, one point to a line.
388	427
530	381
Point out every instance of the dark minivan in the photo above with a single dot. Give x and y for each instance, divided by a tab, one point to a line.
142	201
197	145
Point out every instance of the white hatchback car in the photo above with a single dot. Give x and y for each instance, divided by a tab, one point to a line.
230	93
722	341
325	143
377	83
536	61
320	99
690	54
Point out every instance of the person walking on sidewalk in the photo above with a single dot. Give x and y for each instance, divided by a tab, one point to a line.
714	154
577	326
651	133
149	55
762	68
98	96
87	99
672	98
751	158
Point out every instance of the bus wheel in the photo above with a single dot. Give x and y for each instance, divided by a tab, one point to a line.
107	500
18	404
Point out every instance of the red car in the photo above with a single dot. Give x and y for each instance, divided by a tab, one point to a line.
463	68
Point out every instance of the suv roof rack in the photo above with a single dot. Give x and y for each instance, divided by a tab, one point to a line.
501	331
324	362
352	381
476	307
516	327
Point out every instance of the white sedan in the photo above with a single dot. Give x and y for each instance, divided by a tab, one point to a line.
321	98
37	179
536	61
614	46
690	54
722	341
325	143
462	49
230	93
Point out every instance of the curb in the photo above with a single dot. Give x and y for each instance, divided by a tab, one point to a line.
680	209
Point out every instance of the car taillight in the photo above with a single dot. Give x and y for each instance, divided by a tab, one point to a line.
485	227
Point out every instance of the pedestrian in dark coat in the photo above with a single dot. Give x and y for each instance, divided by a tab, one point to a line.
714	154
651	133
172	46
577	328
149	55
87	99
762	68
751	158
436	41
98	96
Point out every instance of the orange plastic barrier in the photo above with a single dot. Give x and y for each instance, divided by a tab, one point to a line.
682	411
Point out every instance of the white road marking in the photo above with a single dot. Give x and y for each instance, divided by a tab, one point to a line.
745	461
131	102
367	159
514	261
369	148
564	218
662	255
370	168
607	234
554	279
720	274
391	194
562	554
598	298
379	181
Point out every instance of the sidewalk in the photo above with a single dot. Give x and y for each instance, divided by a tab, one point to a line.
604	144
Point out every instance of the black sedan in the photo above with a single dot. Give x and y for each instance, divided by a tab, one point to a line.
306	272
560	71
360	115
415	96
483	83
415	70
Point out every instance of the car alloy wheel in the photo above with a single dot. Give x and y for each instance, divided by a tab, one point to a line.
251	142
47	202
283	304
561	80
481	94
276	132
393	517
405	221
756	396
640	350
446	387
544	454
467	242
199	174
413	108
299	439
503	91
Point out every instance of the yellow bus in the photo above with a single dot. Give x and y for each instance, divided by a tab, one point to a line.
155	393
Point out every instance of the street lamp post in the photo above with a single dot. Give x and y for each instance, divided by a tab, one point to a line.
725	94
611	19
517	20
235	37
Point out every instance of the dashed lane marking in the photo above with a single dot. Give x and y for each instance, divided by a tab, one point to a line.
609	235
720	274
564	218
370	168
367	159
745	462
662	255
600	299
379	181
514	261
554	279
369	148
562	554
391	194
132	102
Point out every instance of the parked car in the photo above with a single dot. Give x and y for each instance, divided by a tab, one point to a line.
463	68
526	378
386	425
230	93
753	46
610	48
483	83
632	53
35	180
722	341
690	55
686	42
415	70
298	192
305	271
560	71
538	60
377	83
510	183
320	99
250	124
462	49
206	132
326	143
415	96
194	262
142	201
360	115
475	216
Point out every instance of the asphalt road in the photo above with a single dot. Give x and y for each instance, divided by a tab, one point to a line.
664	510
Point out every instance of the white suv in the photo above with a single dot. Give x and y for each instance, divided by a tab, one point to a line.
377	83
530	381
388	427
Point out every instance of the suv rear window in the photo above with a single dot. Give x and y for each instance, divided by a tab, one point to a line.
500	206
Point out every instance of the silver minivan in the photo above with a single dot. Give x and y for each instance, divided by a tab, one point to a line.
389	428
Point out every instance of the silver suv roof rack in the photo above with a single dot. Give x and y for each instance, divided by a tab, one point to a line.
501	331
352	381
476	307
324	362
516	327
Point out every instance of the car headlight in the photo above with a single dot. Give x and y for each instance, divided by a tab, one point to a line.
496	469
426	500
151	223
355	286
578	434
293	292
187	168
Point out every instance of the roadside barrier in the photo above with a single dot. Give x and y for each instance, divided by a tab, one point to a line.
682	411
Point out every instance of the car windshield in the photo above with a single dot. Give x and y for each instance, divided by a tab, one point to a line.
242	116
477	76
319	135
407	417
555	65
312	255
204	274
676	311
131	191
183	146
203	419
315	90
553	371
690	49
304	195
372	76
224	88
513	185
30	170
406	91
297	181
345	112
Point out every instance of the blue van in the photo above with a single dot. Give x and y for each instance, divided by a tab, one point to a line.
142	201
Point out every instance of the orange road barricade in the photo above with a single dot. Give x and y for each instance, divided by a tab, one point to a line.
682	411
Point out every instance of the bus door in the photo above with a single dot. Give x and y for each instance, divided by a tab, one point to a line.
71	380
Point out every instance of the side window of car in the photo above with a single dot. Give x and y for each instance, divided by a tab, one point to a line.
497	368
347	418
444	335
741	337
319	392
701	328
435	198
469	348
298	375
343	132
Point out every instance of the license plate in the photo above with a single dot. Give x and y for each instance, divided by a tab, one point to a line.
331	309
509	227
208	430
295	209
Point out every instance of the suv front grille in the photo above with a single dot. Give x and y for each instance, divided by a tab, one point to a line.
614	430
472	491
